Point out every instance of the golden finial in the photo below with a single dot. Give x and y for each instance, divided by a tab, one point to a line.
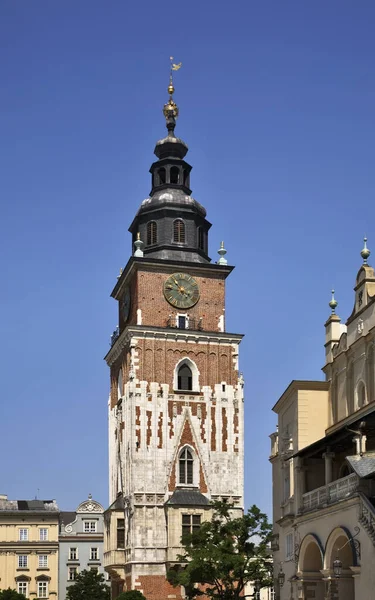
138	235
170	109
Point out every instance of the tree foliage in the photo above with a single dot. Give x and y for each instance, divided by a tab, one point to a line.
10	594
89	585
131	595
225	554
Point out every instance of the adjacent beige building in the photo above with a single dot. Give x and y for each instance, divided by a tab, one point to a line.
29	545
323	465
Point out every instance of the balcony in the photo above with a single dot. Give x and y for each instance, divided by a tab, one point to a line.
182	322
331	493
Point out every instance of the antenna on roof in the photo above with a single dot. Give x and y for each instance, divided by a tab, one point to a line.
37	494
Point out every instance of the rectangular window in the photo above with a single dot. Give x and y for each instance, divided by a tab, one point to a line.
289	550
22	561
73	554
89	526
190	523
24	535
286	472
43	534
181	322
94	553
120	533
95	569
72	573
43	561
42	589
22	588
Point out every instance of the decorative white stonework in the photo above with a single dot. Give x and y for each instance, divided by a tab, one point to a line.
90	506
139	316
360	326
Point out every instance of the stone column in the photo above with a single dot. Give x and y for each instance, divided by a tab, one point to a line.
299	484
328	459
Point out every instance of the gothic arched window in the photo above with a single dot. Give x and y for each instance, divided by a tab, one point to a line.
152	233
185	378
179	231
174	175
186	466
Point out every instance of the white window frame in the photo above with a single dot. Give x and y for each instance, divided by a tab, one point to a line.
23	534
72	573
289	546
21	560
194	371
43	534
75	553
186	317
90	523
96	552
42	589
23	588
43	564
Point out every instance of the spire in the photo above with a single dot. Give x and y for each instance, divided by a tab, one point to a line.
170	109
365	253
333	303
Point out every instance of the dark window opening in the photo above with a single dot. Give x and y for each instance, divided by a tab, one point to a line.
174	175
152	236
162	176
179	231
186	178
185	378
186	466
190	524
200	238
120	533
182	322
223	387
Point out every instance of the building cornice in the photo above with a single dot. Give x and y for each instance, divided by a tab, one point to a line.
168	333
297	385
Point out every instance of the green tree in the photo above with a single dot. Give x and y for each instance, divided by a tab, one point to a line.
89	585
225	554
10	594
131	595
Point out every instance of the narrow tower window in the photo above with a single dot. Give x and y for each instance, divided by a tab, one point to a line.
179	231
186	466
200	238
162	176
361	395
186	178
174	175
152	233
185	378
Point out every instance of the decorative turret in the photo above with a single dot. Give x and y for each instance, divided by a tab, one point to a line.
364	285
334	329
171	223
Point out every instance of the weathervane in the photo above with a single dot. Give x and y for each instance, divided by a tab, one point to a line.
170	109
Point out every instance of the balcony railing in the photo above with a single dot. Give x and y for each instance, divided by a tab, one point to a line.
331	493
183	322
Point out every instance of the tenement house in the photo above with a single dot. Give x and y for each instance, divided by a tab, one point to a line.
323	464
176	400
80	543
29	547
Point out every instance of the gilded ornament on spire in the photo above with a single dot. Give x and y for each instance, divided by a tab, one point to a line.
365	253
333	303
170	109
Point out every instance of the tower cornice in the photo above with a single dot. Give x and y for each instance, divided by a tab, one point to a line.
170	334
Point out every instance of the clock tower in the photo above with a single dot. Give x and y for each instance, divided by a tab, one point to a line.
176	399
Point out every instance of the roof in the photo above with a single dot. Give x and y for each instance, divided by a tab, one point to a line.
363	466
342	438
67	517
188	497
28	505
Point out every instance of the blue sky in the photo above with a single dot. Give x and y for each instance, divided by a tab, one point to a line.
277	106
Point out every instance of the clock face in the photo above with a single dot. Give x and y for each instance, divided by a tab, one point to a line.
181	290
125	304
